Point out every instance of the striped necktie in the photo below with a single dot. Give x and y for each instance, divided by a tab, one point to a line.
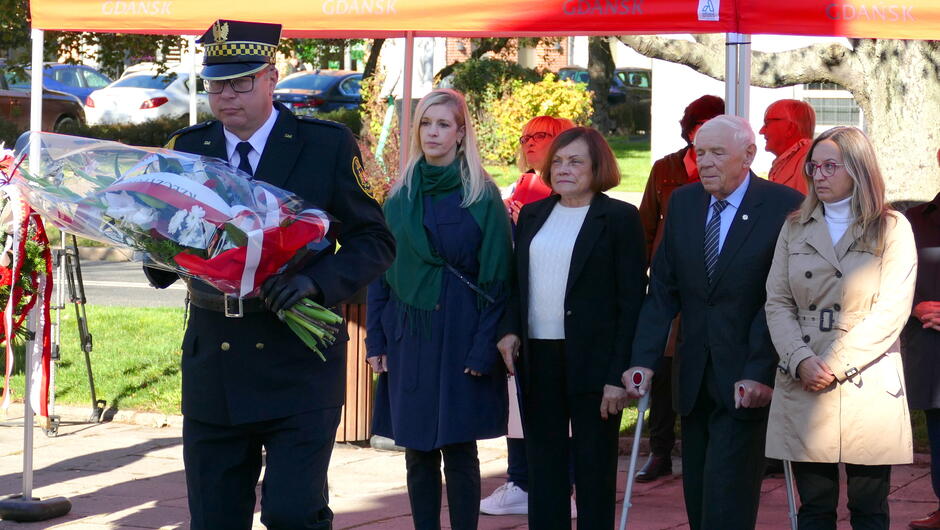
712	233
243	149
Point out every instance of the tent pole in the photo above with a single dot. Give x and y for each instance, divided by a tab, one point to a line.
405	125
24	507
193	113
737	74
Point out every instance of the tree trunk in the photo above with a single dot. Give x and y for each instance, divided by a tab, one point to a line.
899	98
601	70
896	83
373	60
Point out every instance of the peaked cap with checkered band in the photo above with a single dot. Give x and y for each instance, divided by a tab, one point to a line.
234	48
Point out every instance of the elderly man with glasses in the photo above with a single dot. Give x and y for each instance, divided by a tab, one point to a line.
248	383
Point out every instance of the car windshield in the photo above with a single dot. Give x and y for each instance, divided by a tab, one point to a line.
308	82
144	81
637	79
578	76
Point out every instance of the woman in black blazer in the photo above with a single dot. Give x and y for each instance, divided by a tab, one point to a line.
579	282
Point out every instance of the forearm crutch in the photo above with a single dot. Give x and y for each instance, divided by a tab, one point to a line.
641	407
791	498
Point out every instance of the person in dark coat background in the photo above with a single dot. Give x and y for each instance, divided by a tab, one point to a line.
248	382
920	340
431	321
579	282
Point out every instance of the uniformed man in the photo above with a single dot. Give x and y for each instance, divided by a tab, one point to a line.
248	382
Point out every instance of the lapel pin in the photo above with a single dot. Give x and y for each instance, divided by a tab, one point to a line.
744	217
288	135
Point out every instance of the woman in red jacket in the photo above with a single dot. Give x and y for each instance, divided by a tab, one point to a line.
537	136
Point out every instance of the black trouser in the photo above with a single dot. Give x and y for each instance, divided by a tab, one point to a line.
722	462
593	443
662	422
223	463
462	472
867	490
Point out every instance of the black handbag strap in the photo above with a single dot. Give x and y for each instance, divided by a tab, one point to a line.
473	287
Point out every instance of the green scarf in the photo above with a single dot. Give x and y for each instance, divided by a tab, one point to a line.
415	275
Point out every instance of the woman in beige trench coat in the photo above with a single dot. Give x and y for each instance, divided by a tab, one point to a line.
838	295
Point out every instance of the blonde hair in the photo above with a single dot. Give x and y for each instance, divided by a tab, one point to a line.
868	187
475	180
549	124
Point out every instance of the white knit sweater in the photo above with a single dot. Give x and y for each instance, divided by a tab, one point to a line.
549	261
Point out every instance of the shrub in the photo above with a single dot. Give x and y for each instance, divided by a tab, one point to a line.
381	171
348	117
498	132
8	133
153	133
483	79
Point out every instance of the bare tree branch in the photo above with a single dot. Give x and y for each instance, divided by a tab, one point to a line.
703	58
706	55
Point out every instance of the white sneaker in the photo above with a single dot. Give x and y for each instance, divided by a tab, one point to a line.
574	508
507	499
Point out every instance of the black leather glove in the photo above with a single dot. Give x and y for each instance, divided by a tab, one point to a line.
282	292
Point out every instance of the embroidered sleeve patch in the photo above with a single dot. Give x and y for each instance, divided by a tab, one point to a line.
360	174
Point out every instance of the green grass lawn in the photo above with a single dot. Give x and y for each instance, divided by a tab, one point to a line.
135	359
633	157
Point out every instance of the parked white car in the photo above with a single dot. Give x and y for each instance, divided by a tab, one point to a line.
143	96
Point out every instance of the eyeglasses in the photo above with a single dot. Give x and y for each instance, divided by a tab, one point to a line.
538	137
245	83
827	169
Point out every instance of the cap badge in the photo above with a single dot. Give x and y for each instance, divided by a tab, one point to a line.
220	31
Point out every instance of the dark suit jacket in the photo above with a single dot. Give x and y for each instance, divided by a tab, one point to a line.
603	295
918	345
724	321
263	371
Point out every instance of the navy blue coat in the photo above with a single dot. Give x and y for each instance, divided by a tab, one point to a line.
425	400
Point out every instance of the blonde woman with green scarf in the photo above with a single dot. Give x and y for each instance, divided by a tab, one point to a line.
432	318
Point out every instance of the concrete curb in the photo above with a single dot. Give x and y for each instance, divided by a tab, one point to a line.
104	254
72	413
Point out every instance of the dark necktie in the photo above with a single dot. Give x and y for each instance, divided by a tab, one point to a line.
712	233
243	149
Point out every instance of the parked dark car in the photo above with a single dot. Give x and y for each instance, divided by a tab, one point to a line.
320	91
76	79
631	86
58	108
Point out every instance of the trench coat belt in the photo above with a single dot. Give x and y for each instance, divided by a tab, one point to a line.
828	319
222	304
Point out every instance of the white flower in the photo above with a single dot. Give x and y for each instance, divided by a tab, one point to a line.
176	222
144	217
190	229
119	205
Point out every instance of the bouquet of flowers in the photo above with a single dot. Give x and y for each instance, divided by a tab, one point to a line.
194	215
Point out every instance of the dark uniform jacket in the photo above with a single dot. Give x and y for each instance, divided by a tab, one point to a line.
240	370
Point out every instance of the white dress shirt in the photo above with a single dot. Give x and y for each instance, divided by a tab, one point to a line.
257	141
731	210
